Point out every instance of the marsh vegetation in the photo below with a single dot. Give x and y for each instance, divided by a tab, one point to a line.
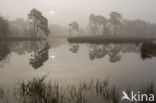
38	90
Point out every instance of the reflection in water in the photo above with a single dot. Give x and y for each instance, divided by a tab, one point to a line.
114	55
40	50
74	48
115	51
148	50
4	52
100	51
89	61
21	48
96	51
40	56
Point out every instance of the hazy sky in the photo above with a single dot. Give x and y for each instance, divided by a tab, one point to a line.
64	11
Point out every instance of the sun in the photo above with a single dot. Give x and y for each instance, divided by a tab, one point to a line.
51	12
52	57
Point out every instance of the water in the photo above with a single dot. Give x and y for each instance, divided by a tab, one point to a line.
68	63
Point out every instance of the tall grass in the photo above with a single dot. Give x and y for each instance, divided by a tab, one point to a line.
38	90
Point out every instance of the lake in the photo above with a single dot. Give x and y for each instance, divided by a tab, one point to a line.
126	65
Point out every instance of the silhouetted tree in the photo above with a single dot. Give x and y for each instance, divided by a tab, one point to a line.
38	21
101	21
4	27
115	20
93	25
97	24
73	26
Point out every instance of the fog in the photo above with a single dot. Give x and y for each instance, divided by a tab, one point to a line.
89	51
64	11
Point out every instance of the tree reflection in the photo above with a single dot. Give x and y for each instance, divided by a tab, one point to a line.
74	48
22	48
40	56
148	50
96	51
4	51
113	51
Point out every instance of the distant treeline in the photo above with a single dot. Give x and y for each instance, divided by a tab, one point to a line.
116	25
4	27
23	28
17	28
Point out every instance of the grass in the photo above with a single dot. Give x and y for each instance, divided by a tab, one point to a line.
39	91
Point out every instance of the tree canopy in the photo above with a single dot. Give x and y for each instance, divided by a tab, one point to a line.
38	21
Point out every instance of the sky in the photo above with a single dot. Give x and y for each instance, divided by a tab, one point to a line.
63	12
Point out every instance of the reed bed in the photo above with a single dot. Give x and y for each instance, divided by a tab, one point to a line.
38	90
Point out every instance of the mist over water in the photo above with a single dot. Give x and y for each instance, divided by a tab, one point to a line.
76	51
121	63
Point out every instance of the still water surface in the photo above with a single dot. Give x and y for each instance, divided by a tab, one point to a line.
69	63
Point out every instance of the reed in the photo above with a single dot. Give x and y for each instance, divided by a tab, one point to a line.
38	90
